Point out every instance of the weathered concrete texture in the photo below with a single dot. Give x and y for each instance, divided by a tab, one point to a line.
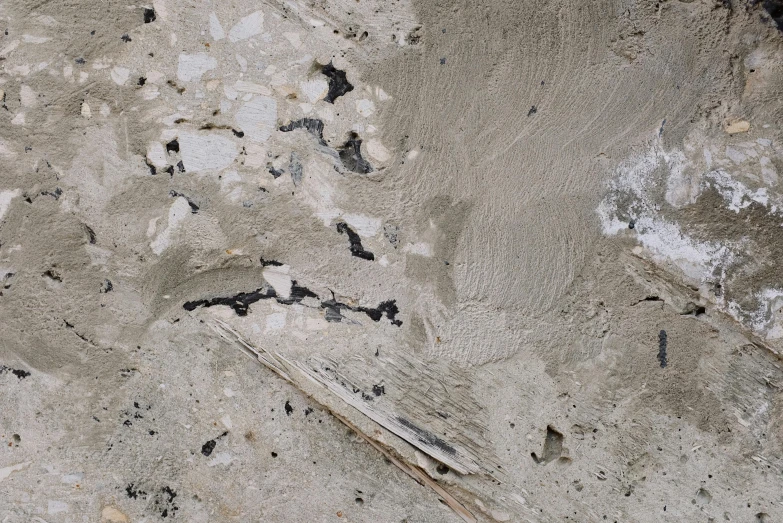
528	249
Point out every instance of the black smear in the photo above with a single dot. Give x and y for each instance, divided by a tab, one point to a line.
662	343
276	173
172	146
125	38
351	156
106	286
288	408
427	437
388	308
149	15
378	389
152	169
442	469
181	166
356	242
208	447
338	83
21	374
54	194
90	233
142	81
313	125
295	168
533	110
270	263
775	10
134	493
53	276
238	134
239	302
298	293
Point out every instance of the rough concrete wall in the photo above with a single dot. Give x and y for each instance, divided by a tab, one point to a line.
526	253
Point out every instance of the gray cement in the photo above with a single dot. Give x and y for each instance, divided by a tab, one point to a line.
492	261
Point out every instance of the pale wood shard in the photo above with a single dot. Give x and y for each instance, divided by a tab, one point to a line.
320	372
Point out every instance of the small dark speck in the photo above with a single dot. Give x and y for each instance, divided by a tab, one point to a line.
631	224
149	15
288	408
442	469
92	33
142	80
126	38
172	146
238	134
274	454
442	61
152	433
533	110
80	61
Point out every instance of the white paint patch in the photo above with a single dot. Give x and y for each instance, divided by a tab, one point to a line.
27	96
248	26
215	29
192	67
735	193
278	278
18	119
365	226
120	75
160	9
5	200
201	152
156	154
275	322
419	249
226	421
377	150
30	39
315	89
86	111
221	458
5	51
177	213
72	479
365	107
55	507
257	118
293	39
6	472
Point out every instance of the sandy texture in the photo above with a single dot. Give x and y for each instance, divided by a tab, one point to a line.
528	249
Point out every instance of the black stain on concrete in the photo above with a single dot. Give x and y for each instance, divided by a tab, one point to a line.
312	125
663	342
19	373
338	83
356	242
427	437
351	155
